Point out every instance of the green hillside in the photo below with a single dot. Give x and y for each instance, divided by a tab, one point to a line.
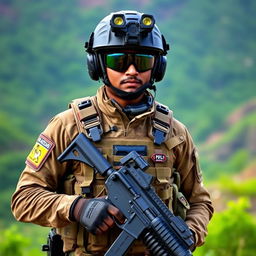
233	149
210	65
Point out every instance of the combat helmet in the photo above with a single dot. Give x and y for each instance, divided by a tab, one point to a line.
126	29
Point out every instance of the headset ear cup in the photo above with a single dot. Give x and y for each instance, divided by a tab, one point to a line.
160	68
93	66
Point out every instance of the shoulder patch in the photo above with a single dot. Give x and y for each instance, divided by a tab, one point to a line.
40	152
199	174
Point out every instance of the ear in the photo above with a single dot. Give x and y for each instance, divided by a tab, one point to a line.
93	66
159	69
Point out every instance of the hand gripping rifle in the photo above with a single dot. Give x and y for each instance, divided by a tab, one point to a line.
129	189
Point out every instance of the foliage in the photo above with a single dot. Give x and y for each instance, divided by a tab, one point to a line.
209	63
231	232
19	240
42	60
233	152
8	179
12	242
214	169
237	187
234	133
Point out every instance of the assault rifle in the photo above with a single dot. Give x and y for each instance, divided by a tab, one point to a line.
130	190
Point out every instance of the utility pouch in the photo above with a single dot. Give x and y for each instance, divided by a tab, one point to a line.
54	246
180	204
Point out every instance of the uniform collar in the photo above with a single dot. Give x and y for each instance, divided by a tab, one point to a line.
111	109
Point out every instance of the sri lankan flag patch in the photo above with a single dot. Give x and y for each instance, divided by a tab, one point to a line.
40	152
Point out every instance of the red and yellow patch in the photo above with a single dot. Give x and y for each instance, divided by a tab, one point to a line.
40	152
159	158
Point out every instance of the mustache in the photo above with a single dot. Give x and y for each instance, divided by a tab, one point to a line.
134	78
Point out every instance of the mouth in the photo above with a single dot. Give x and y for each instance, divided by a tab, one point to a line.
131	83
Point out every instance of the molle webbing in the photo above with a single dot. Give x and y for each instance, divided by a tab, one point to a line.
161	124
87	117
88	121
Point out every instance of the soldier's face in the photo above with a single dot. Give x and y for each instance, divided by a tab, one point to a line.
129	77
130	80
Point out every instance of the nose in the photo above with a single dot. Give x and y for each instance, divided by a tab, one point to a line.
131	71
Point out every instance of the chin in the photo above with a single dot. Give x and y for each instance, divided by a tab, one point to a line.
130	90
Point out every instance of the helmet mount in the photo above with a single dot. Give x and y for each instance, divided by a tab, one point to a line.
133	29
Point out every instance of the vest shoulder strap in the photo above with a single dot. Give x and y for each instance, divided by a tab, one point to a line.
88	120
161	124
87	117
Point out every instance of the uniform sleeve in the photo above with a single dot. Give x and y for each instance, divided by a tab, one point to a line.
36	198
201	210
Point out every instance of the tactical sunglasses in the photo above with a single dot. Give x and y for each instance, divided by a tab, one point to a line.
121	61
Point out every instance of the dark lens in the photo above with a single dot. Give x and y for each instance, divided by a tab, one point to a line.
116	61
143	62
121	61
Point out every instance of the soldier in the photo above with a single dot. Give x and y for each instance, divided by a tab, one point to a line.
128	53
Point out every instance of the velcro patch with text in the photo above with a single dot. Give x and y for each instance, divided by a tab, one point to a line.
159	158
40	152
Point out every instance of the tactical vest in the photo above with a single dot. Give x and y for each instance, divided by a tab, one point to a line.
154	147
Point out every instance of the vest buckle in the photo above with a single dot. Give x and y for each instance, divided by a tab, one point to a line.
90	120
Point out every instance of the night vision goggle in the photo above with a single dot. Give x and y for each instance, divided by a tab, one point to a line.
132	28
121	61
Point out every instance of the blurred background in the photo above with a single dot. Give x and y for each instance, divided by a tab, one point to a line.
209	84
